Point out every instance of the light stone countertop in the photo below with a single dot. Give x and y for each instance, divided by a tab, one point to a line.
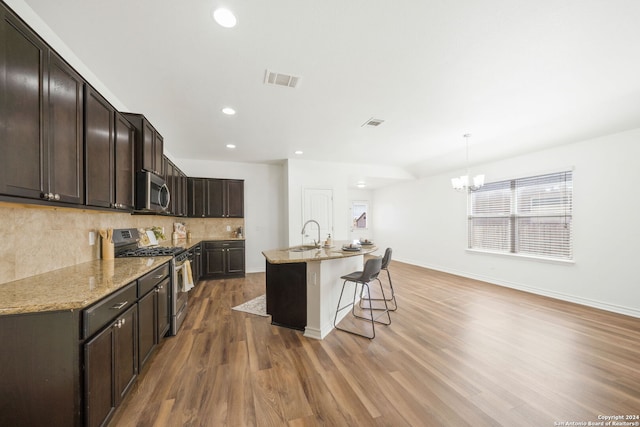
287	256
75	287
78	286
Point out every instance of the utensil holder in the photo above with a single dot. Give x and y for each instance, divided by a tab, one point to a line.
107	249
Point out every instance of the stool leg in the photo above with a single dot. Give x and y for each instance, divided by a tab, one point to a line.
352	304
338	308
393	296
371	309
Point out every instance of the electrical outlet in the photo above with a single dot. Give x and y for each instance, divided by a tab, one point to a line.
92	238
228	228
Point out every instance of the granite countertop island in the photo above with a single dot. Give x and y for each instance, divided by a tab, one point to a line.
301	254
303	285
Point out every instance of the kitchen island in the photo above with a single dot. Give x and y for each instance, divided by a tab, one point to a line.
303	285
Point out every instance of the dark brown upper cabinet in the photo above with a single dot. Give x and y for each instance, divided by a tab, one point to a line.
99	132
124	163
234	198
109	151
41	139
149	144
198	197
216	198
176	181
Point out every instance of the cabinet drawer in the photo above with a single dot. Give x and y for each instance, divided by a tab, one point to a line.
217	244
107	309
150	280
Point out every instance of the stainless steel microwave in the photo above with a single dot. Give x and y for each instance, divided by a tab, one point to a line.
152	194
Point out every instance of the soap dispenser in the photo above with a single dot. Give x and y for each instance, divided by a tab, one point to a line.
328	241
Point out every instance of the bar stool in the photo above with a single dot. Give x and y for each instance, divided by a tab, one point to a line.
370	273
386	260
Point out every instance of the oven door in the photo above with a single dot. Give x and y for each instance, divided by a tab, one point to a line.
179	297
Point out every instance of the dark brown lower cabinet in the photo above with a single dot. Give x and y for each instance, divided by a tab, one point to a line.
111	367
73	368
154	317
40	373
196	267
147	313
224	258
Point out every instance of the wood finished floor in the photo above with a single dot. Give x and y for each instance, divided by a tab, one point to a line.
458	353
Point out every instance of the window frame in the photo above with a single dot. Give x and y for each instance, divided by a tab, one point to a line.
561	215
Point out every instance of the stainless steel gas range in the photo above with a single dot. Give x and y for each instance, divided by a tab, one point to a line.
126	244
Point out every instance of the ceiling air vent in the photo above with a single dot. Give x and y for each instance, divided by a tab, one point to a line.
372	122
273	78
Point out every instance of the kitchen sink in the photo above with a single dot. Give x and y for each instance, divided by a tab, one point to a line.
302	248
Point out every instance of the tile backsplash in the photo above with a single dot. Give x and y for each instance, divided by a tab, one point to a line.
35	239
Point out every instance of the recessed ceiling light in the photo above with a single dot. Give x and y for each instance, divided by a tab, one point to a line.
298	152
231	146
225	18
228	111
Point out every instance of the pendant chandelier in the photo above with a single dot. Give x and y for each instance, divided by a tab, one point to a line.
462	183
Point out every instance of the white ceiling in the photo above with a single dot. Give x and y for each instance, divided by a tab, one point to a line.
519	75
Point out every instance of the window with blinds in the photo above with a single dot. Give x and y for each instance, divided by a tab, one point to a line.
526	216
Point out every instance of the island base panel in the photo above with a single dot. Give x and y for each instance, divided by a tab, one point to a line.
287	294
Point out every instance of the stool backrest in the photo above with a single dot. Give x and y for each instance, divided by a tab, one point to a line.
386	259
371	269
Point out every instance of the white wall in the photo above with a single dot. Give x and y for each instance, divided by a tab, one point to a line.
264	214
424	222
301	174
39	26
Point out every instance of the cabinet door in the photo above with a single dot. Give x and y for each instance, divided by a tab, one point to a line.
185	196
100	395
99	149
124	162
158	150
214	262
126	352
65	132
23	71
197	264
196	197
164	313
235	260
148	140
147	329
214	196
234	190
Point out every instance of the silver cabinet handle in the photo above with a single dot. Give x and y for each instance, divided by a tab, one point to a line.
160	276
120	305
56	196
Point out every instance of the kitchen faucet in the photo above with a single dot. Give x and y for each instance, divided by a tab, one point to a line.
316	244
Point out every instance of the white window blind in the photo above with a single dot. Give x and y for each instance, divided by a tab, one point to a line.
528	216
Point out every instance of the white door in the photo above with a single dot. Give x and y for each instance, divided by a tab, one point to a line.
317	205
